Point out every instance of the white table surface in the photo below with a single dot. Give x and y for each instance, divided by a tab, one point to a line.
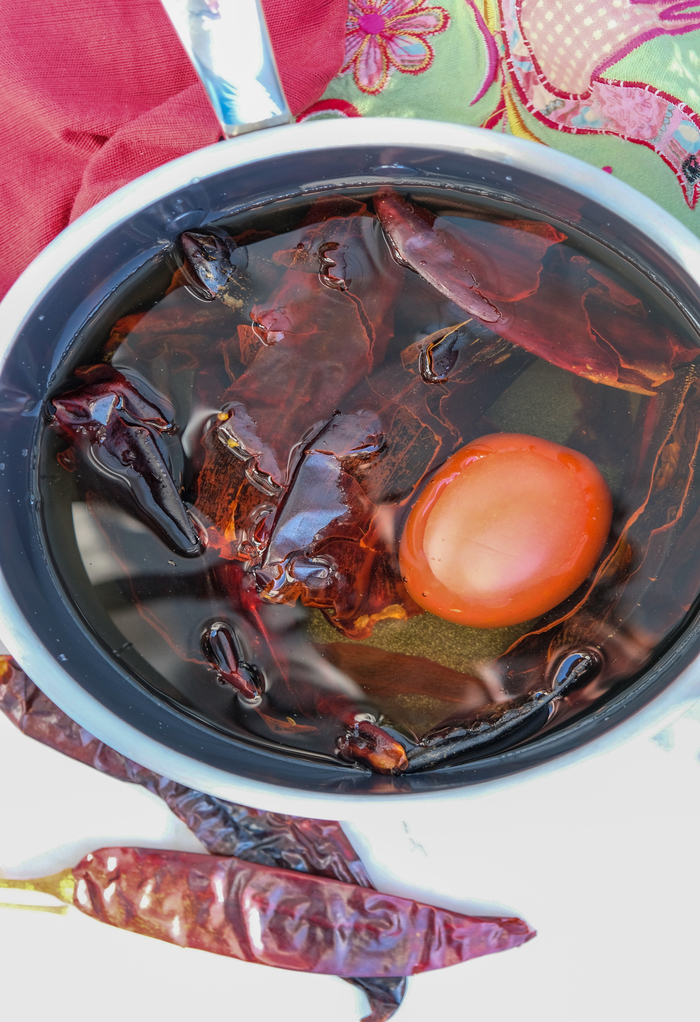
602	859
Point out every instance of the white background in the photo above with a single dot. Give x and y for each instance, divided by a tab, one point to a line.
602	859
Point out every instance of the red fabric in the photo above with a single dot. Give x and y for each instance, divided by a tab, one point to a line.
94	94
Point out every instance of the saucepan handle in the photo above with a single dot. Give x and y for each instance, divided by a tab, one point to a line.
228	43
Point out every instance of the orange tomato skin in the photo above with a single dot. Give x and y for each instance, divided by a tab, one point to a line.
509	527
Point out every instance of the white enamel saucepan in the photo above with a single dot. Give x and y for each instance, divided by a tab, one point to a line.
72	281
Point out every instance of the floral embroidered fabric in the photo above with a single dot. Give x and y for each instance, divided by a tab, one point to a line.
387	35
614	82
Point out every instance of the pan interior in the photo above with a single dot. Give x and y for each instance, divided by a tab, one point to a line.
138	676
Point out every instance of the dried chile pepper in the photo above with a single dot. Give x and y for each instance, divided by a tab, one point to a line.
275	917
309	846
385	994
224	828
296	346
319	847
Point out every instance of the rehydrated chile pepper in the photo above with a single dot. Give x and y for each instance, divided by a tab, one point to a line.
367	743
505	718
116	431
221	648
479	264
310	341
326	547
213	264
571	313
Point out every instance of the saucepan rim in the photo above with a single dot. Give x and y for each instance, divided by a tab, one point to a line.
678	243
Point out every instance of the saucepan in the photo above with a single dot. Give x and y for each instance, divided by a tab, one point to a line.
72	284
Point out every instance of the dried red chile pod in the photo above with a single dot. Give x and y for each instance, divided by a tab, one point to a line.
254	835
253	913
271	839
273	917
385	995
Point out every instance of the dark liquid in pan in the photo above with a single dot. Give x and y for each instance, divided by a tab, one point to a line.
154	608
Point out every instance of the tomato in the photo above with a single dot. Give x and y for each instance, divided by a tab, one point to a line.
509	527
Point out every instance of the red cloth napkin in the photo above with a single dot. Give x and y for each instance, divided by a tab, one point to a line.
94	94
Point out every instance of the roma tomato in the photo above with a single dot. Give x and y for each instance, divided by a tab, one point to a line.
509	526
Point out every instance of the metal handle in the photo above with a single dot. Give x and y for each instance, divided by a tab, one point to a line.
228	43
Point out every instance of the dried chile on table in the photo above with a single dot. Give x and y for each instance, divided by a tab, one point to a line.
304	846
274	917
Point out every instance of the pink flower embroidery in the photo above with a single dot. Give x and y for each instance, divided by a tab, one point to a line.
383	35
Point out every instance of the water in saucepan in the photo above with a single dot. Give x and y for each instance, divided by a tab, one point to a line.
228	467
